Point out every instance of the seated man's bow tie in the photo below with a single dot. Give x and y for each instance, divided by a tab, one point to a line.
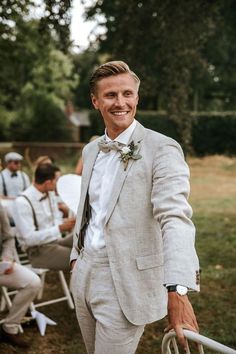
107	146
14	174
45	195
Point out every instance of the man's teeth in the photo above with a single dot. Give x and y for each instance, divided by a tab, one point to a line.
120	113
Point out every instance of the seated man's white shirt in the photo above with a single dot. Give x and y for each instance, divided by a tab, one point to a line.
14	185
47	215
100	188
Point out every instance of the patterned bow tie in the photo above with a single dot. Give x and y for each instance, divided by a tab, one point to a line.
107	146
14	174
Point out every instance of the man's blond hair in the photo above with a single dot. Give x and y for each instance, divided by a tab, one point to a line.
109	69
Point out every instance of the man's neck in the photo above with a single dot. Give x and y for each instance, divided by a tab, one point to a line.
113	133
39	187
12	170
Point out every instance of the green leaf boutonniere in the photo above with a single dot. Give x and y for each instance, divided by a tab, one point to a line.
127	153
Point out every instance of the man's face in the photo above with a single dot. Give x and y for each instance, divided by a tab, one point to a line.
50	185
13	165
116	98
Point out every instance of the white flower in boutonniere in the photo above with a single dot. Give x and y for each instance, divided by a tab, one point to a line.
127	153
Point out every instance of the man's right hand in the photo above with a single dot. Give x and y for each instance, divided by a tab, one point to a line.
72	264
67	225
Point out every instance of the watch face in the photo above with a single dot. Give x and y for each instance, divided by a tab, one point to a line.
181	290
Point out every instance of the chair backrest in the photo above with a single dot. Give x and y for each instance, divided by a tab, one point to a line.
169	343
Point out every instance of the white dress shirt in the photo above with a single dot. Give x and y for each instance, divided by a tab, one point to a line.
47	215
100	187
14	185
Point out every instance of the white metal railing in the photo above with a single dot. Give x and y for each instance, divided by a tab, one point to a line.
169	343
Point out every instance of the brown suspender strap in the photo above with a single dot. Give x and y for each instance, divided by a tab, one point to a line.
4	185
33	212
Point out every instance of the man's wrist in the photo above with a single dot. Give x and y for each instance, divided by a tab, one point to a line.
179	289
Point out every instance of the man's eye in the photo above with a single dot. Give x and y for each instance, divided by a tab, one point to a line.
110	94
128	93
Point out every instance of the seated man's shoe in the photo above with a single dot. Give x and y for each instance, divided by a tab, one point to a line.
14	339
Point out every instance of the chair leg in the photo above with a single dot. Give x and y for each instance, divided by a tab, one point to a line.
3	304
66	290
40	293
9	303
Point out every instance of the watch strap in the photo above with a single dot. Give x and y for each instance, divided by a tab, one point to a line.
171	288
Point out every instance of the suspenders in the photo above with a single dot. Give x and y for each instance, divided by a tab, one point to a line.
4	183
23	180
33	212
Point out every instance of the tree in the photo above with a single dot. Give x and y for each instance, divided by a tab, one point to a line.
56	21
163	42
40	113
33	68
84	64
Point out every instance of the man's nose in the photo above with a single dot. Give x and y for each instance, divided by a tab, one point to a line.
120	100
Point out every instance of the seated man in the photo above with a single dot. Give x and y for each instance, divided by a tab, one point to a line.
39	223
16	276
13	181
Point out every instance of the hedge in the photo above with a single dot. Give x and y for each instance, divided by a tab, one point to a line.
212	133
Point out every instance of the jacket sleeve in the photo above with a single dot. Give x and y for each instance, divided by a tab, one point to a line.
171	209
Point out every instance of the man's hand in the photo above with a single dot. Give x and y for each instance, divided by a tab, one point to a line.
181	316
8	265
72	264
67	225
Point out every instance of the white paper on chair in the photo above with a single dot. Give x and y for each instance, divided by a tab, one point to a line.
68	188
42	321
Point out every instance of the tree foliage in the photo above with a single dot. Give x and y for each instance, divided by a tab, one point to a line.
36	70
165	42
56	21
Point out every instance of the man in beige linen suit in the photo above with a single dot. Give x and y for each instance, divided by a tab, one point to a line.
133	256
15	276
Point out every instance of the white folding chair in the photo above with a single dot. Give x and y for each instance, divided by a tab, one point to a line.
6	294
6	302
169	343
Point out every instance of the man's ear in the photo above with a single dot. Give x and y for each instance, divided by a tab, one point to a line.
46	184
94	101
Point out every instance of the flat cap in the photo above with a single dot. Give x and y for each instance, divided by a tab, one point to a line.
13	156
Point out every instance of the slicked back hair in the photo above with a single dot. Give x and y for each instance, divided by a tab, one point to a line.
110	68
45	172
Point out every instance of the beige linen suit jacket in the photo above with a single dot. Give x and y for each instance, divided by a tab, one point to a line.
148	232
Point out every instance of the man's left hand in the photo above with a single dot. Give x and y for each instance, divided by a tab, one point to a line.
181	316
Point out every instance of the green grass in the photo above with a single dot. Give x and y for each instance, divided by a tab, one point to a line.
215	305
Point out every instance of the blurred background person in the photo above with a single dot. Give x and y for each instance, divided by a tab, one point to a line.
41	160
13	181
79	166
15	276
39	223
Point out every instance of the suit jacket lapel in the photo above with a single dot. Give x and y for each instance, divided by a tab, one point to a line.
137	137
87	171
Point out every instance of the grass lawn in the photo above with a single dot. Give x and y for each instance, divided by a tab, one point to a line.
213	198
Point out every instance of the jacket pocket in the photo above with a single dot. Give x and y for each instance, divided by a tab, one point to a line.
150	261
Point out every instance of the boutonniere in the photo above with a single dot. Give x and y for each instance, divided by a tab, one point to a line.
127	153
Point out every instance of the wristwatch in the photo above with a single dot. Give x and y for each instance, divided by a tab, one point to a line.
179	289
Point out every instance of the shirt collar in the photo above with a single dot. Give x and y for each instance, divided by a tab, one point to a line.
9	173
124	137
36	193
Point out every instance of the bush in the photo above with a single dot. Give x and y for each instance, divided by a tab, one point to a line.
214	135
39	119
211	134
150	119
